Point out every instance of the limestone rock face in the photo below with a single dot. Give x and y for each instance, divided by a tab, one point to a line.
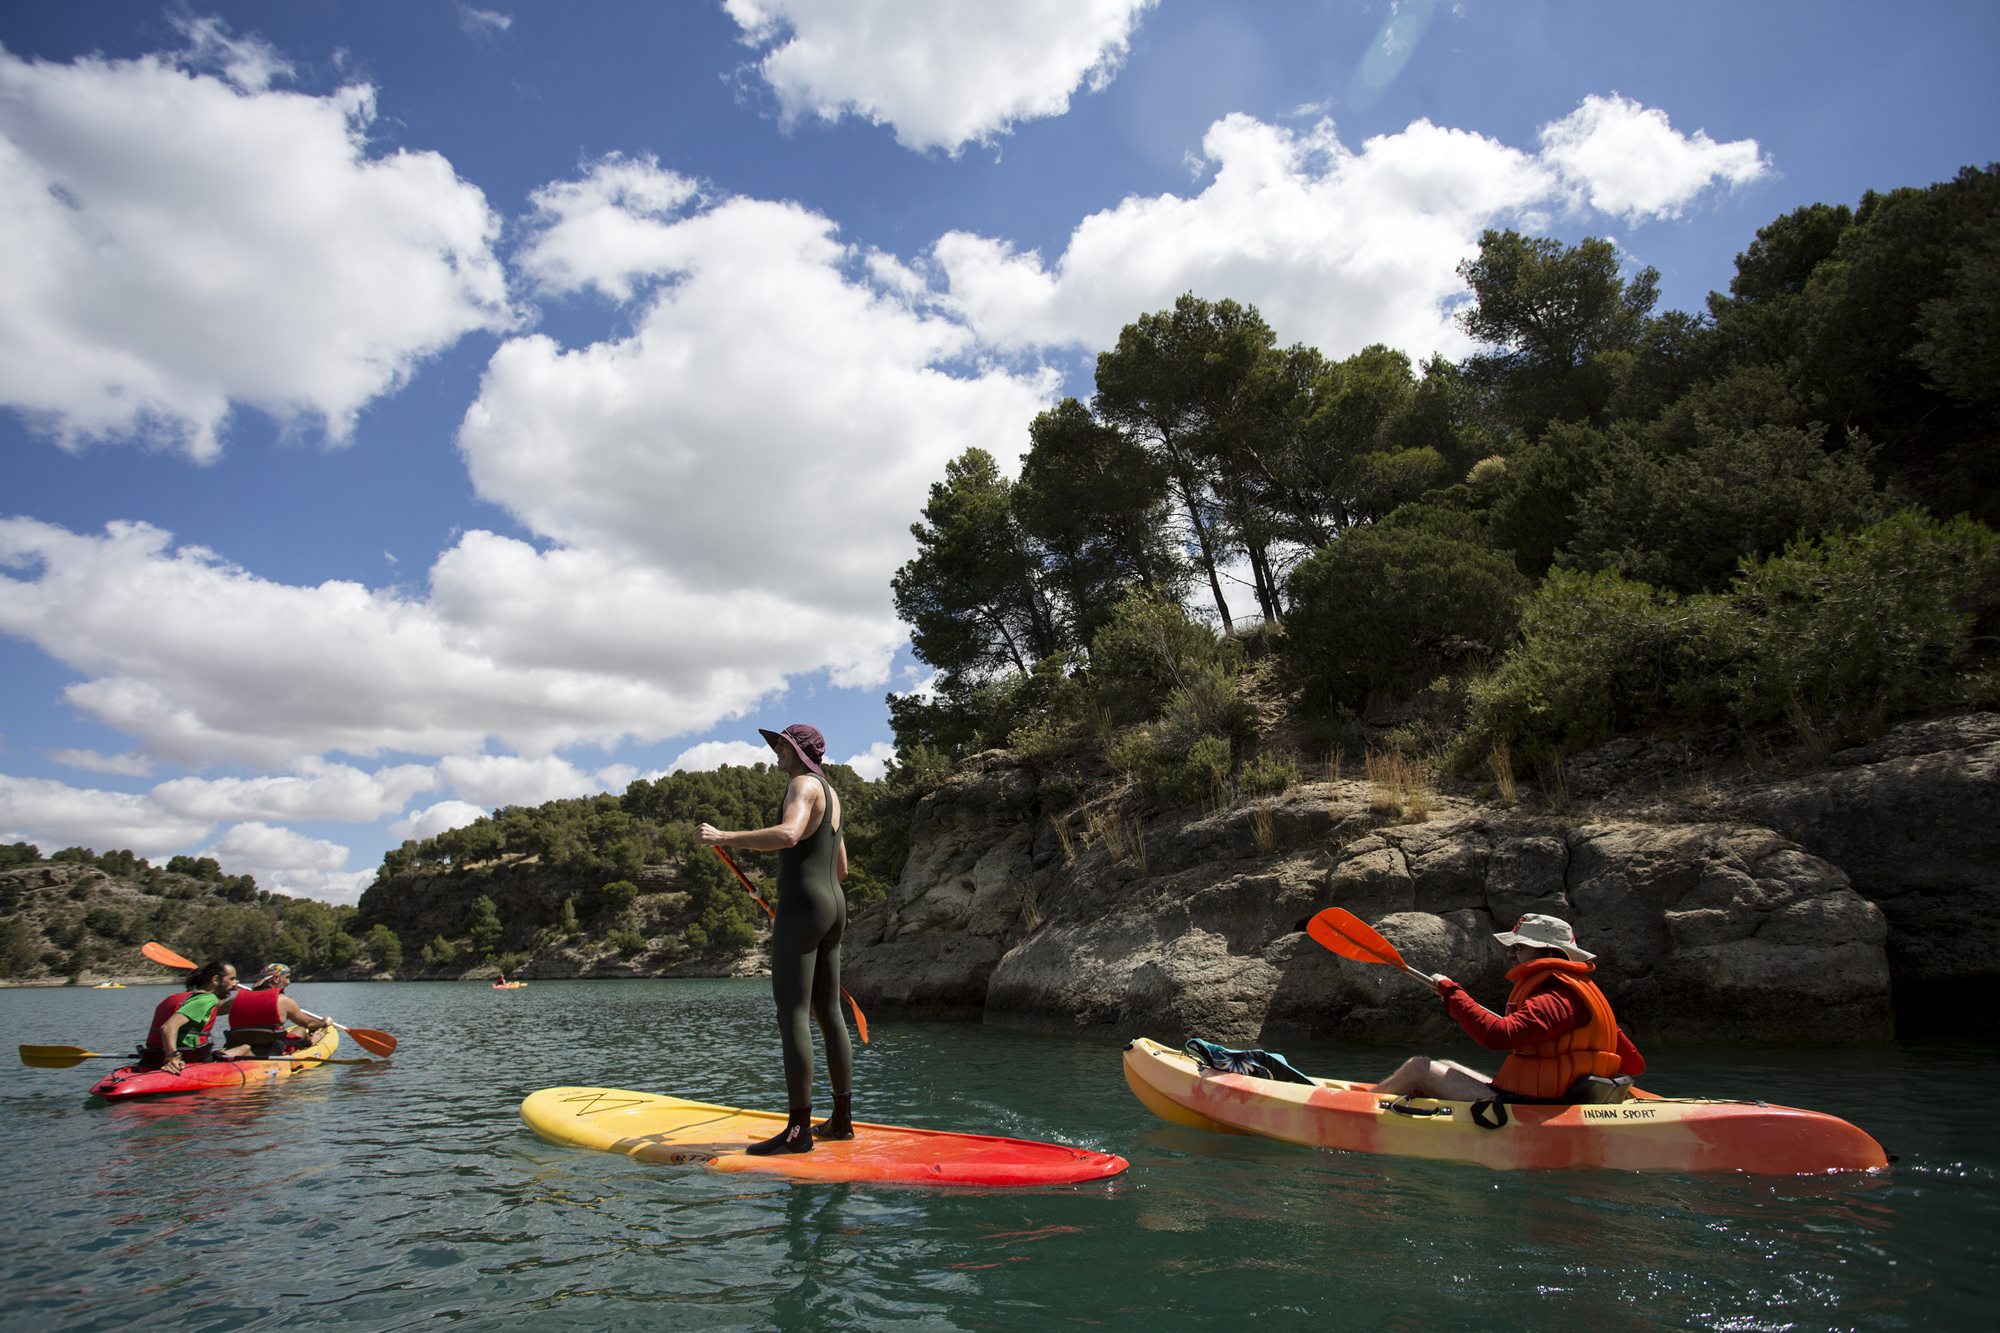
1796	909
1914	820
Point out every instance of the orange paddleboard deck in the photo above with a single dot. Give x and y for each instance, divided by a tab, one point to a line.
669	1130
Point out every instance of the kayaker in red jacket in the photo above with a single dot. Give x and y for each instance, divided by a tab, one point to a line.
260	1014
1558	1028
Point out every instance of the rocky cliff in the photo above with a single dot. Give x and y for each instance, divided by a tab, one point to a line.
1836	905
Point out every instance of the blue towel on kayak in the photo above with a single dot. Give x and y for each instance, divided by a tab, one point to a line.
1257	1064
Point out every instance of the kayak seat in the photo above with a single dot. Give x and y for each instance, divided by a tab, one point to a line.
1595	1089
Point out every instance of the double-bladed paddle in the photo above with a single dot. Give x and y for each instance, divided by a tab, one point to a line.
64	1057
368	1039
1351	937
860	1022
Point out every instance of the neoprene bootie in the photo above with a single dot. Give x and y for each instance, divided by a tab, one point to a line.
839	1125
796	1136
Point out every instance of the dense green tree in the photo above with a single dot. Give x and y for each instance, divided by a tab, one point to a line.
1179	381
1564	323
483	926
383	948
1097	505
1686	520
970	595
1909	282
1388	606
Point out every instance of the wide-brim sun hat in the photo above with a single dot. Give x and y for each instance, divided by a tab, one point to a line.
803	741
1538	931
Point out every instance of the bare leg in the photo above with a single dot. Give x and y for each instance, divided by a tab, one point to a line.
1420	1076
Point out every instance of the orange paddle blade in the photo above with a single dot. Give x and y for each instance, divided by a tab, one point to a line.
164	956
369	1039
860	1020
1351	937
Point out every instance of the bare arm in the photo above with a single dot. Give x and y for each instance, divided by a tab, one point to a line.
797	818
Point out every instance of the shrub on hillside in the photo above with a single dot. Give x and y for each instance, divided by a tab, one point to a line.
1845	633
1396	604
1598	655
1685	521
1150	647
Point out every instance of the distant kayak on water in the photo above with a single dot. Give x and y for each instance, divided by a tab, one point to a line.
109	985
669	1130
1645	1133
508	985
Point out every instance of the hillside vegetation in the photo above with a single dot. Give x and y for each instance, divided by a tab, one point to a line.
1770	519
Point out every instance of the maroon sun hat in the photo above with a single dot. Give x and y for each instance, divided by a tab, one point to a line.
806	743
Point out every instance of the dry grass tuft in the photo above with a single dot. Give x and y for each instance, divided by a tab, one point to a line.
1500	761
1398	785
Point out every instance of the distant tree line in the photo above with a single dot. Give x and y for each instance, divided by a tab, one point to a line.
188	904
1610	518
600	849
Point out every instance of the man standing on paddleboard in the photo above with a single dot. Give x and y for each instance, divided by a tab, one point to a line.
1558	1028
811	917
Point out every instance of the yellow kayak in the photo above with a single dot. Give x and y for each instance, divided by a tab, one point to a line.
1647	1133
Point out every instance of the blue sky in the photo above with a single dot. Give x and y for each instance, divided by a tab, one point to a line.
413	409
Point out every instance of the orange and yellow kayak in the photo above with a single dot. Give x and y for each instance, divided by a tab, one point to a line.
1645	1134
133	1081
654	1128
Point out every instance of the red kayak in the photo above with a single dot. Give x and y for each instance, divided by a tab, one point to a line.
132	1081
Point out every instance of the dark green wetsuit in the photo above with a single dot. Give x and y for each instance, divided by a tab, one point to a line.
805	959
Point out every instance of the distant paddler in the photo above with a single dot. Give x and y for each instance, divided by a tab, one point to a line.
806	930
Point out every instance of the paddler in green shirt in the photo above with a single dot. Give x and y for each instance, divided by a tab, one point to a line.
183	1031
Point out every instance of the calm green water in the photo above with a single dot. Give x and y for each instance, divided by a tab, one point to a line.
407	1194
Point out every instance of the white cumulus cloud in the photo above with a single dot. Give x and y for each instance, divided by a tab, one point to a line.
53	815
435	819
941	73
319	791
711	755
289	862
872	763
1627	160
1338	247
203	241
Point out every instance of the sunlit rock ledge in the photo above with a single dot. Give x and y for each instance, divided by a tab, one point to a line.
1843	903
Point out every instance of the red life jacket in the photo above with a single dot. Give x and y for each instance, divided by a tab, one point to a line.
1550	1068
256	1010
165	1010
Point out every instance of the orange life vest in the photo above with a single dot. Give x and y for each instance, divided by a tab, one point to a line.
1548	1069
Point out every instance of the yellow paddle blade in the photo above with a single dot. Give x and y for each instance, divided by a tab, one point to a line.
62	1057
